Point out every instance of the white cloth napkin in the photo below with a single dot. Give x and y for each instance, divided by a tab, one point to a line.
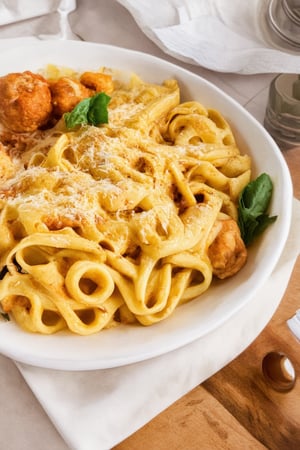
44	18
17	10
221	35
96	410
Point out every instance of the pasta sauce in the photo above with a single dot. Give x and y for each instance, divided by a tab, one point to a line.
121	222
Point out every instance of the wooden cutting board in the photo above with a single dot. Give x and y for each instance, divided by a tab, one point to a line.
236	408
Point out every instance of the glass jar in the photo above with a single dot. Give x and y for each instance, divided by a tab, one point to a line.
281	23
282	118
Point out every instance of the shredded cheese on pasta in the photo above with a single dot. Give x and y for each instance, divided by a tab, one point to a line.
112	224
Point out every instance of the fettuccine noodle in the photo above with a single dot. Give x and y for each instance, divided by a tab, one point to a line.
113	224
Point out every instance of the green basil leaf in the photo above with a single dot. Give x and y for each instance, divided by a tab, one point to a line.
98	112
252	207
78	115
90	111
257	195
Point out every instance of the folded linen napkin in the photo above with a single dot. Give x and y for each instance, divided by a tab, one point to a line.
17	10
95	410
43	18
217	34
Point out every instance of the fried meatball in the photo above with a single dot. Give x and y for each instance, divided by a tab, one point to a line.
25	101
66	93
227	252
100	82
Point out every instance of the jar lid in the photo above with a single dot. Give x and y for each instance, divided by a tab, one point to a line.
283	18
292	10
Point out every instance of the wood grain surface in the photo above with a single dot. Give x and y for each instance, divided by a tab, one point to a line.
236	408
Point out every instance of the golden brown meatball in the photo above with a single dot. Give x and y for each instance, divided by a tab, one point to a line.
100	82
227	252
66	93
25	101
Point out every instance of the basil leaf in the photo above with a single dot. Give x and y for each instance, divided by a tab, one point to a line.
78	115
257	195
98	112
91	111
253	203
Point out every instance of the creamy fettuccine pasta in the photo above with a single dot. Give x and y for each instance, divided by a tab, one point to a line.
120	222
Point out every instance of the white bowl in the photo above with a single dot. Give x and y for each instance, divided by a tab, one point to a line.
126	344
